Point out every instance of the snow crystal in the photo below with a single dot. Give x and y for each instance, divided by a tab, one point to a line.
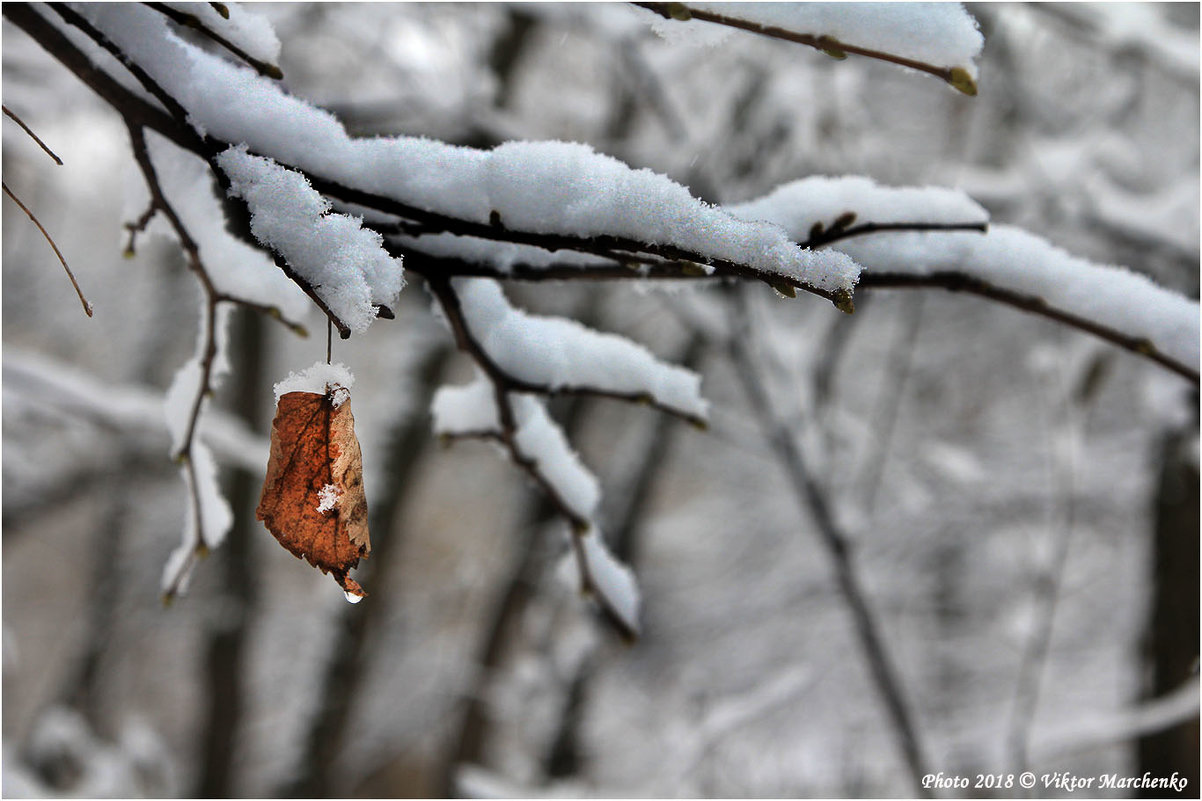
345	264
327	498
558	353
315	379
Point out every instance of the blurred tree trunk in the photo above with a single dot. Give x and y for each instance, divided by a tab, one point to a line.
237	595
1171	637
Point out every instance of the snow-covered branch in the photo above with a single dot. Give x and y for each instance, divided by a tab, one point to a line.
313	211
1004	264
498	406
940	39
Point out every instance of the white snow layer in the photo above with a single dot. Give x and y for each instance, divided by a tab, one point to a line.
236	268
1013	259
540	439
180	405
1006	257
797	205
541	187
212	513
611	578
503	256
244	29
315	379
558	353
470	410
345	264
215	514
940	34
466	410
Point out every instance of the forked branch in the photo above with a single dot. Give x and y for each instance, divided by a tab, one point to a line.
506	434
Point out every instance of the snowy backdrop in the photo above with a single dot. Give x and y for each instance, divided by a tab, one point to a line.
819	381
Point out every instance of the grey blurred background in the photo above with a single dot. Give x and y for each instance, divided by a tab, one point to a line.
1022	499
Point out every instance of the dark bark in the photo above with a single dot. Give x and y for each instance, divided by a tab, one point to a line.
1171	639
225	649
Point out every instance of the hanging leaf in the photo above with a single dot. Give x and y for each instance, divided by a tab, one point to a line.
313	500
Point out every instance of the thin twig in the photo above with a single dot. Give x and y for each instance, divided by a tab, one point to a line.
138	226
834	234
208	349
192	254
888	404
610	246
128	104
72	17
1048	580
469	743
958	77
138	114
962	282
87	307
805	486
32	135
190	21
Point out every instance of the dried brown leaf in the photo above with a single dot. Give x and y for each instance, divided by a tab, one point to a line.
313	499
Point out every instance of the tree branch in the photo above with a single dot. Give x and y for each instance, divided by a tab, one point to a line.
506	435
957	77
9	113
506	381
805	486
652	260
962	282
1049	579
87	307
192	22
